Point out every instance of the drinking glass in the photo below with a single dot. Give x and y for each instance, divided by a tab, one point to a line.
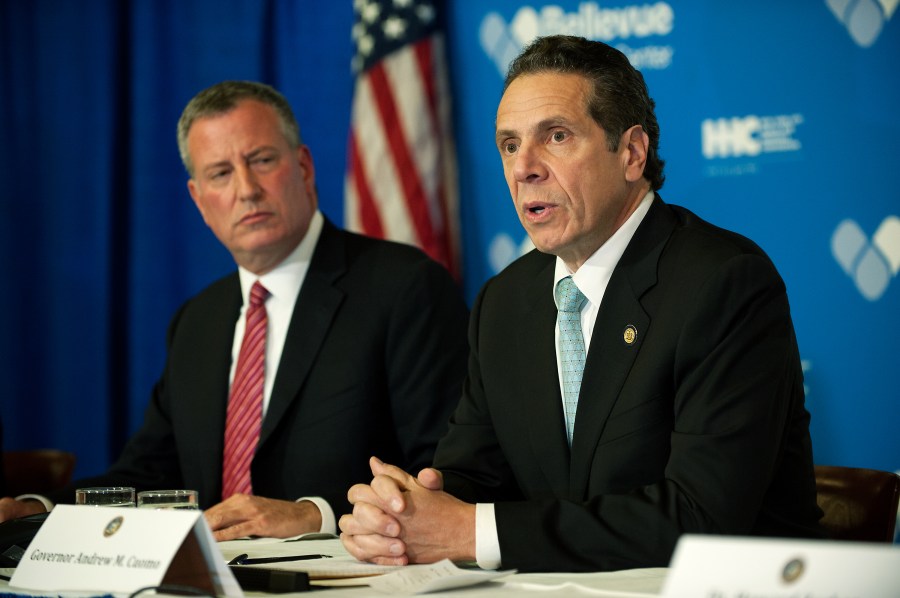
168	499
110	496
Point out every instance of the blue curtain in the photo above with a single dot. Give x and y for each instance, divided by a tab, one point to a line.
100	239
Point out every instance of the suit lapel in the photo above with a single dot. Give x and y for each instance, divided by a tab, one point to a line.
210	377
543	401
610	357
314	311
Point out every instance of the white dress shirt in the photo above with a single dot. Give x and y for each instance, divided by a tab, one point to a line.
283	284
592	279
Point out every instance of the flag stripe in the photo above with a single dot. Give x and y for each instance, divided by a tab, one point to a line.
408	80
367	211
401	180
410	181
430	58
377	171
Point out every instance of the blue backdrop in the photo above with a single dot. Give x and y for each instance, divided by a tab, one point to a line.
779	120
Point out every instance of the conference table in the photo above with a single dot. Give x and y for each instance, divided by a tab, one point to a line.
632	583
347	578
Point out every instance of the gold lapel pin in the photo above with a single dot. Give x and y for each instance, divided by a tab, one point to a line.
630	334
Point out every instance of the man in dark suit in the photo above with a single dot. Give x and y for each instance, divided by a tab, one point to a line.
687	414
365	345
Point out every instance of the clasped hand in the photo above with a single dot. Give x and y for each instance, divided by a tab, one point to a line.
399	519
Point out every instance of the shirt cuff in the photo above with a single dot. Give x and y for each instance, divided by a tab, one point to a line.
329	525
41	499
487	544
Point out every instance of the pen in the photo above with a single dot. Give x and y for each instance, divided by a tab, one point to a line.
244	559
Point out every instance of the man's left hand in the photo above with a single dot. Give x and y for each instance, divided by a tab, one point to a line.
433	525
245	515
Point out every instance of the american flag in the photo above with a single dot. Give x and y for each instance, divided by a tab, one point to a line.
401	180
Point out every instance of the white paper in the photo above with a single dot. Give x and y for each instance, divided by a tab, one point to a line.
422	579
339	565
628	583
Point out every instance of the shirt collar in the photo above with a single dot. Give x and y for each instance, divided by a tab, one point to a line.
593	276
285	279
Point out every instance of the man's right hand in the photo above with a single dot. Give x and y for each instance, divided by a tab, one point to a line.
400	519
11	508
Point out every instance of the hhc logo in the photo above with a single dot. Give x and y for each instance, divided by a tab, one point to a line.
873	264
749	135
864	19
726	137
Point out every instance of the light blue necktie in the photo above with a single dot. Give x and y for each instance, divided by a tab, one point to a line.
569	301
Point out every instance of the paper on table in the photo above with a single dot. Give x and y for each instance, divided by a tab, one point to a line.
341	564
298	538
421	579
630	583
331	568
260	547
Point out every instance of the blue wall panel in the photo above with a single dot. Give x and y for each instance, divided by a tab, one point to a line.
779	121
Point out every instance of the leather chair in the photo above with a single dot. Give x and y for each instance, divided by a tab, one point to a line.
38	471
859	504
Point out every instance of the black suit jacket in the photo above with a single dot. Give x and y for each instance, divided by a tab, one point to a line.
698	425
372	365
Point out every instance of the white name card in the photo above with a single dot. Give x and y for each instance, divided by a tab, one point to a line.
740	567
110	549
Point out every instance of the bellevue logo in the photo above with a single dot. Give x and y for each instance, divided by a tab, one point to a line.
502	42
871	264
864	19
630	25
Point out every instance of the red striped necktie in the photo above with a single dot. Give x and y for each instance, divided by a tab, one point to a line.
244	419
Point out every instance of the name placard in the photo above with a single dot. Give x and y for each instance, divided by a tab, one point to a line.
89	548
741	567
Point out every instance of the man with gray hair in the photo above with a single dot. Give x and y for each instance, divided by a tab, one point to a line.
325	347
634	378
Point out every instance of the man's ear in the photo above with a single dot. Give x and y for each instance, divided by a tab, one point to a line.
195	195
305	160
637	144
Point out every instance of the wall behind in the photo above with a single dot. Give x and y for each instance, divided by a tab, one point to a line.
778	121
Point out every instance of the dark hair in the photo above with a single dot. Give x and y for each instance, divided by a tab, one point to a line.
620	98
224	97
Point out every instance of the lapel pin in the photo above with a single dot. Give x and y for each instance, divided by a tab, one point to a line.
630	334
